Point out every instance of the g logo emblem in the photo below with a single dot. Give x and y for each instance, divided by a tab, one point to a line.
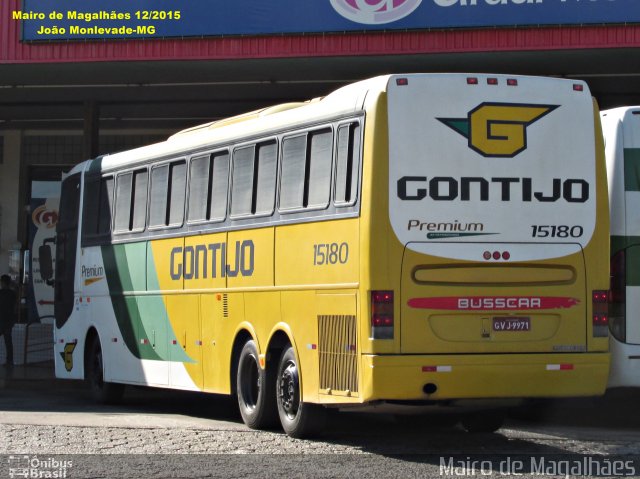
375	12
498	129
44	217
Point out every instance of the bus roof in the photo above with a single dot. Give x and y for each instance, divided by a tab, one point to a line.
346	100
343	101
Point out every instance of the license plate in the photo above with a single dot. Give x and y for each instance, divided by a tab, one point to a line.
511	324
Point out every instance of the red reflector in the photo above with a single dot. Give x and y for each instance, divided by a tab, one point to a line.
382	314
496	255
578	87
600	319
472	81
486	255
382	296
600	296
506	255
559	367
402	81
512	82
492	81
429	369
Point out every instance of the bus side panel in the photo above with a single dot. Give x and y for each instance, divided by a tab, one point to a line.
631	159
622	145
321	259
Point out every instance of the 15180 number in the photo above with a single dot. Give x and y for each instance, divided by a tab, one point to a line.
556	231
330	253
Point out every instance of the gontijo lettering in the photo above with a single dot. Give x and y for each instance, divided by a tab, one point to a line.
210	261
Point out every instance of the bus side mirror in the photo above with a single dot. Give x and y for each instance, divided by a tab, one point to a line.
46	263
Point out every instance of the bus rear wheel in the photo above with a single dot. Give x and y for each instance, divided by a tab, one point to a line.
101	391
255	389
298	419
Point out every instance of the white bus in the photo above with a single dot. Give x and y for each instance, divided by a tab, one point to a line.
621	127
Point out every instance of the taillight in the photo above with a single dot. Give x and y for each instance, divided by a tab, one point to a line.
382	314
617	316
600	301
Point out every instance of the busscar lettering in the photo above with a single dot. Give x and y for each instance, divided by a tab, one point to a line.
206	261
499	303
446	188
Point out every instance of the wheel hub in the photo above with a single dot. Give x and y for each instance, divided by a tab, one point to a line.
289	397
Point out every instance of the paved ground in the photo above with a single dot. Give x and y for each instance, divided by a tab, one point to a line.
156	433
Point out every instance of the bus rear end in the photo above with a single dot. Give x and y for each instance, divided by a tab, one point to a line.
489	274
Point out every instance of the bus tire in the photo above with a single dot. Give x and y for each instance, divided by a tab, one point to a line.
298	419
488	421
101	391
255	388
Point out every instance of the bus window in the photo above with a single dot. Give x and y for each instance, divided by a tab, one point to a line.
131	201
347	164
218	186
265	189
98	201
306	170
294	151
123	202
208	182
159	190
105	205
168	187
319	168
242	186
66	245
90	208
254	179
178	186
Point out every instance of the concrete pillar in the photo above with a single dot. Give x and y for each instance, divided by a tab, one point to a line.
9	196
91	130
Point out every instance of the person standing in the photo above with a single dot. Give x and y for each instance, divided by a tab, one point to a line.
7	315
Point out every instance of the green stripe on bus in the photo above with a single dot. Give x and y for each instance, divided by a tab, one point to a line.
126	308
632	169
96	164
155	313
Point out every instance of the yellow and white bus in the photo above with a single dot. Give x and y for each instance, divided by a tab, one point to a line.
419	239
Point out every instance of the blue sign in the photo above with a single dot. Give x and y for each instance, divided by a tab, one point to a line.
104	19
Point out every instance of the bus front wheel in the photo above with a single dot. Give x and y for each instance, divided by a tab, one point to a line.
298	419
255	389
101	391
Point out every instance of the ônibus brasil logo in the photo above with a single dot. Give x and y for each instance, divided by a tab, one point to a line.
375	12
498	129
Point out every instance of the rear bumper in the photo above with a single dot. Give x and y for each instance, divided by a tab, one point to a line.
484	376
